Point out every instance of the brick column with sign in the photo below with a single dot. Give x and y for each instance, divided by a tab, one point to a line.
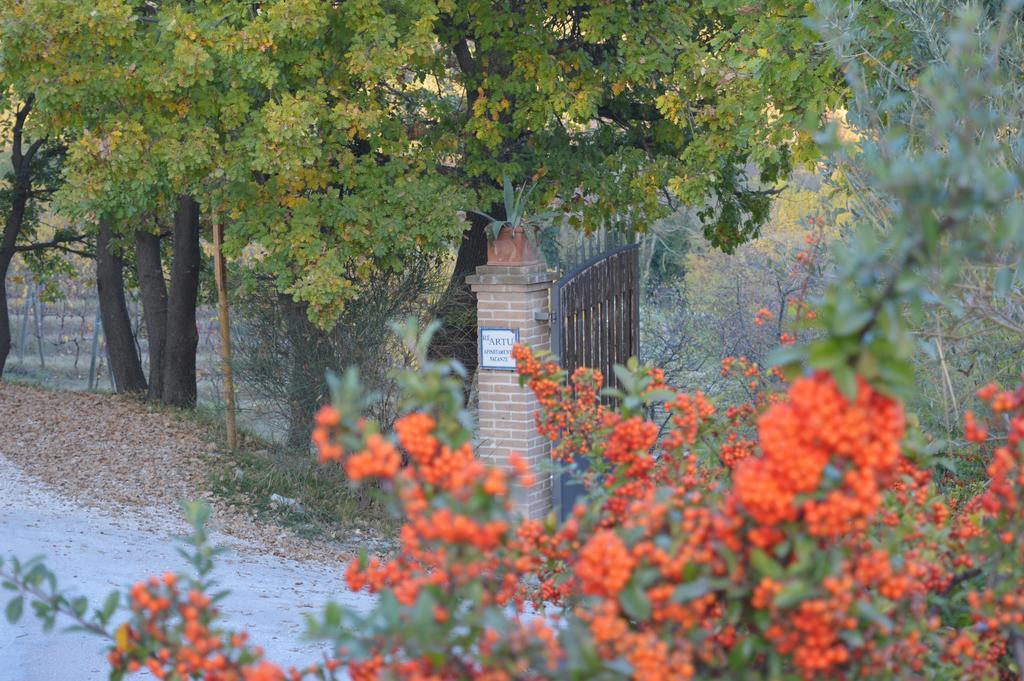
512	306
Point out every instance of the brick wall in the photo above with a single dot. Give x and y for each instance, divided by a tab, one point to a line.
513	297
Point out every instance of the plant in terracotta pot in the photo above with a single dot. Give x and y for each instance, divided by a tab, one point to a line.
513	240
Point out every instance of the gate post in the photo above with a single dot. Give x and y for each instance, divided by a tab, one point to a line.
512	306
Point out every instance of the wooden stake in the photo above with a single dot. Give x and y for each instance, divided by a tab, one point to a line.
23	339
39	325
97	329
220	275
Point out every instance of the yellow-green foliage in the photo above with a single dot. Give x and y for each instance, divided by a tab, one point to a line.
341	138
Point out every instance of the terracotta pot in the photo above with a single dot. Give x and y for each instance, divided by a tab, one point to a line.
511	248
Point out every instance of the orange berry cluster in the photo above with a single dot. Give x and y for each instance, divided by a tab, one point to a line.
1005	493
973	431
811	633
172	638
380	459
570	413
325	422
377	459
997	609
605	565
679	536
735	449
687	414
449	543
816	429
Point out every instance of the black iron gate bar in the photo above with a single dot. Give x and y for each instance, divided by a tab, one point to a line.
595	312
595	322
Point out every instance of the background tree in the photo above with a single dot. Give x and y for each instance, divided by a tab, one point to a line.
701	305
630	110
66	105
902	58
339	140
272	117
282	357
35	161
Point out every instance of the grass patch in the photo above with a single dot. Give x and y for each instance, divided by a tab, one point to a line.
325	505
59	374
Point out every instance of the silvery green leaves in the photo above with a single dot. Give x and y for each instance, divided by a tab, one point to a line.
936	169
34	587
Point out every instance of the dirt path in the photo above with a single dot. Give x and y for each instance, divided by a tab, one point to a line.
76	486
113	453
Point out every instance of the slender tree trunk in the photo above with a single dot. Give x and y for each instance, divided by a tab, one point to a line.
220	273
150	271
5	319
11	228
123	354
182	334
25	312
97	329
37	309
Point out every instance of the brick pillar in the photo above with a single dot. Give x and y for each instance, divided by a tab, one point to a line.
513	297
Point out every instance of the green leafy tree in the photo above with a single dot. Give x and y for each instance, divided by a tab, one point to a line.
263	117
277	119
629	109
340	140
634	105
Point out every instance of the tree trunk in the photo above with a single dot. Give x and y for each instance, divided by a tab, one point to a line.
5	320
12	227
150	271
182	334
21	187
306	358
125	365
457	311
301	403
472	249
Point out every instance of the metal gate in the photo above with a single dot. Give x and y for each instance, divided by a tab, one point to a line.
595	322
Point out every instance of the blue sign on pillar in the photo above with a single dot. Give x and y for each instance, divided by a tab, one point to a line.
496	348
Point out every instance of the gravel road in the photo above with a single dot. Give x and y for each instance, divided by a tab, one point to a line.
104	542
94	552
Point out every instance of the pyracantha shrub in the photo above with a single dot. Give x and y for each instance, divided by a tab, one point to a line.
799	536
